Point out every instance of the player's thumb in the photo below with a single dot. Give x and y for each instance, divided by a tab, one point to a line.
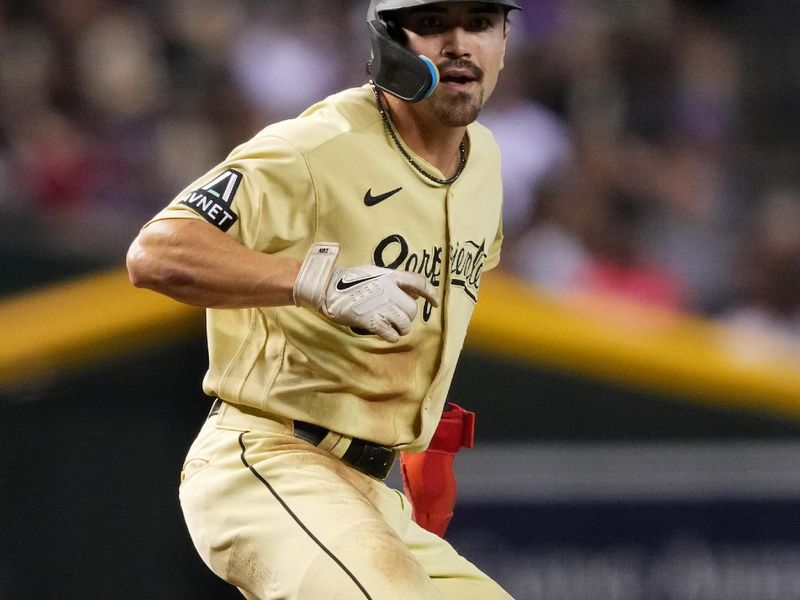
416	286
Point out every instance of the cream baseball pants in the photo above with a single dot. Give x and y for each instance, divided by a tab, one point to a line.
281	519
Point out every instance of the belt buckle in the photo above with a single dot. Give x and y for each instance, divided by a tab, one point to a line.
372	459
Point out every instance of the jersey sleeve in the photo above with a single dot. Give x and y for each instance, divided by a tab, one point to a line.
262	195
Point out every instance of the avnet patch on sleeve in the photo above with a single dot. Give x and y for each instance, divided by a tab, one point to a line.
213	200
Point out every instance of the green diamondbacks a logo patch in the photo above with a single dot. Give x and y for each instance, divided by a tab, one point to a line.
213	200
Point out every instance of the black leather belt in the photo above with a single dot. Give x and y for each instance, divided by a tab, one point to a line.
372	459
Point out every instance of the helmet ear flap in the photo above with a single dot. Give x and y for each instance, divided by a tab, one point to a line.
434	72
393	30
396	70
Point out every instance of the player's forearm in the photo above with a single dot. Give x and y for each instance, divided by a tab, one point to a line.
195	263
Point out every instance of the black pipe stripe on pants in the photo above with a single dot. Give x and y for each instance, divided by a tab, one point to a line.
297	519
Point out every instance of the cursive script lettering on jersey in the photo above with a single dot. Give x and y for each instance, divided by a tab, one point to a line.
466	261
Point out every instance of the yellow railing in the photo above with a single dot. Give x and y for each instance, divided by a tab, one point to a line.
101	316
89	319
636	346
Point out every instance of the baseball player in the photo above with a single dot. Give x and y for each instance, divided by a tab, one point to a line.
339	255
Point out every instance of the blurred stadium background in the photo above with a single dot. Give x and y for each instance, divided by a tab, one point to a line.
635	363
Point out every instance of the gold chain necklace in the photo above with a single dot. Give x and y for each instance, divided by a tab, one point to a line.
390	130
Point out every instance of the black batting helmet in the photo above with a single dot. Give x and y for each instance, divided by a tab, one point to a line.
392	67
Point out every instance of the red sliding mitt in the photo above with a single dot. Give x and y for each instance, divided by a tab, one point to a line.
428	477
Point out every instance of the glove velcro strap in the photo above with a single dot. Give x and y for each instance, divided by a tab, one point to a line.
315	274
456	430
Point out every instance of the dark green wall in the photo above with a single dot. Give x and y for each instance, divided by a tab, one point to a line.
523	403
89	483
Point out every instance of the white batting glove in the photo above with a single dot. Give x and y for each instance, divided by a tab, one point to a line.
382	301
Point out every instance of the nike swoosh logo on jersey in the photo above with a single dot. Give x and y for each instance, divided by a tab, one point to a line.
371	200
343	285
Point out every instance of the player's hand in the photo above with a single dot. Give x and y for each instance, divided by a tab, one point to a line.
381	301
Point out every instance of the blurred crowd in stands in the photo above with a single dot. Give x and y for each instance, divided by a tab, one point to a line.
619	122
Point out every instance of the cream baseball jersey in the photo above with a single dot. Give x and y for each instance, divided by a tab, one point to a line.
334	175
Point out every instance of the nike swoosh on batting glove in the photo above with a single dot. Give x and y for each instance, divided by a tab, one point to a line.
382	301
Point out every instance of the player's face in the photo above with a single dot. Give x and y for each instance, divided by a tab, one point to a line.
467	42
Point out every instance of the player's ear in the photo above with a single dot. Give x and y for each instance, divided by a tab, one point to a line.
506	31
